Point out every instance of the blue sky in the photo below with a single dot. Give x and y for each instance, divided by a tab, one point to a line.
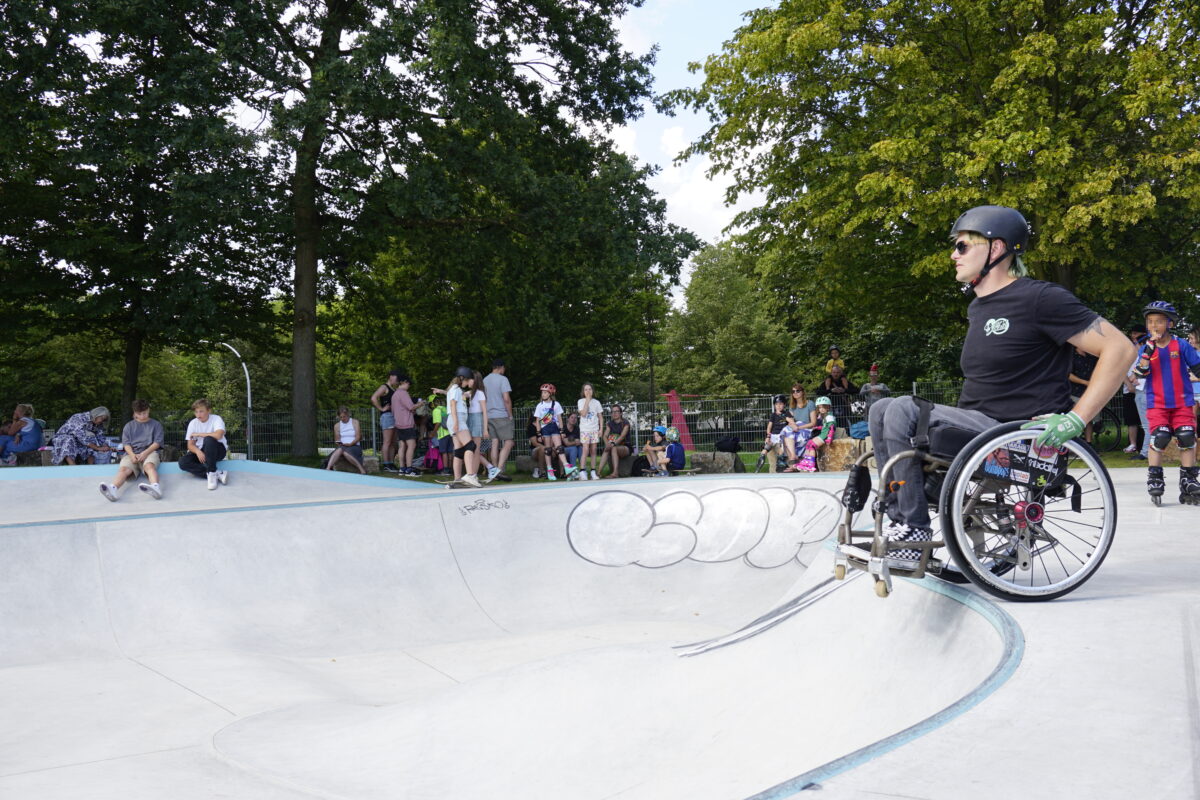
685	31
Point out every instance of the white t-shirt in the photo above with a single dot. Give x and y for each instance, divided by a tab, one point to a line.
454	396
589	415
547	411
214	423
478	398
496	385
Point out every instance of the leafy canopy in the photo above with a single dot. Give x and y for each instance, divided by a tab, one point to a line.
869	126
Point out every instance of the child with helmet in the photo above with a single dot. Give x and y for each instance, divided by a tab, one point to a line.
1164	362
780	426
828	428
548	418
673	457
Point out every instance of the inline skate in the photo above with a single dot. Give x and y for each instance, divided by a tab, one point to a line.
1189	486
1155	484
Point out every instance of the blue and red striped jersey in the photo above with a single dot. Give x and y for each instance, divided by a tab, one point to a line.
1168	384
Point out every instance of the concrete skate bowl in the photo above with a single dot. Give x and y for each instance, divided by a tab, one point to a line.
640	639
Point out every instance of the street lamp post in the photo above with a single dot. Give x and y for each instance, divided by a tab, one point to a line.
249	402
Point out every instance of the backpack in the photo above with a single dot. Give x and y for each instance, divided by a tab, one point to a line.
860	430
729	444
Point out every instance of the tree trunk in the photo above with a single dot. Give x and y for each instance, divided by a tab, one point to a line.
304	323
307	221
1064	274
134	340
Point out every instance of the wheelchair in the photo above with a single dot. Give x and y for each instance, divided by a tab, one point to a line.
1021	522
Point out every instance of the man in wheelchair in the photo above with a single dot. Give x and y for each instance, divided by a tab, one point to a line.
1016	360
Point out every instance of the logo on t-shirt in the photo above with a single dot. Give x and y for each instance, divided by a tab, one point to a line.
996	326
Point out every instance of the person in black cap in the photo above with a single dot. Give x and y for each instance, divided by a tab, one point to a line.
1015	361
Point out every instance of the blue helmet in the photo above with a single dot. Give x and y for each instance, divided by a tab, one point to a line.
1161	307
660	429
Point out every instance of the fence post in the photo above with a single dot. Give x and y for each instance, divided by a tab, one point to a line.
914	389
638	420
374	441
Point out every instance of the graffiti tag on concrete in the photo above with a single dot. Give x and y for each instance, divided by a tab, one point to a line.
766	527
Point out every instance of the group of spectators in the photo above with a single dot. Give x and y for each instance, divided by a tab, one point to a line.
798	427
82	439
848	401
451	422
583	443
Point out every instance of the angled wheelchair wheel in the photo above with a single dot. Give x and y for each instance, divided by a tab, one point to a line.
1027	523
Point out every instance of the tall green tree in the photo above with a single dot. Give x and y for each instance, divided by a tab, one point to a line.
870	126
548	252
728	340
353	90
130	206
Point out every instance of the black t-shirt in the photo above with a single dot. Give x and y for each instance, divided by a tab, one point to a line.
780	421
1016	358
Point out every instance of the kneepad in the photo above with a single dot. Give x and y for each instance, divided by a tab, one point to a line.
1161	438
460	451
469	447
1186	434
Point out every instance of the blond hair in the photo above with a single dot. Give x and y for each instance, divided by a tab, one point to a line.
1016	269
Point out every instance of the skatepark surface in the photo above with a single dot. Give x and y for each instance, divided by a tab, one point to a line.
305	634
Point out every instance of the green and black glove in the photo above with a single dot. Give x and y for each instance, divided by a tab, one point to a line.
1060	428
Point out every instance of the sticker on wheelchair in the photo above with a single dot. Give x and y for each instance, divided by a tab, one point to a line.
1025	463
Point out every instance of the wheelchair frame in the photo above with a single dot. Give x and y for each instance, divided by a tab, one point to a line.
998	531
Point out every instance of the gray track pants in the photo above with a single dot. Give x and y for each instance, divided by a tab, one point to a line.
893	421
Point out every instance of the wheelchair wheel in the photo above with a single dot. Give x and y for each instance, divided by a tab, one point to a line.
1107	431
1027	525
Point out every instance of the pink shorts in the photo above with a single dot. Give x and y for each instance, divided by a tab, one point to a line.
1170	418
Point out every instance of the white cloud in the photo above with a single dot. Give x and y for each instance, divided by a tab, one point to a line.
624	139
673	141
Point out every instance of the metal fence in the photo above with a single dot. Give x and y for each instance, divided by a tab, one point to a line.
706	419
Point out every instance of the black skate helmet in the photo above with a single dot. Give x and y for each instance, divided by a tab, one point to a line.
994	222
464	373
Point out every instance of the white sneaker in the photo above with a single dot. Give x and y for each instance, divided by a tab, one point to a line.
492	473
472	480
537	473
583	475
151	489
595	477
223	476
109	492
212	481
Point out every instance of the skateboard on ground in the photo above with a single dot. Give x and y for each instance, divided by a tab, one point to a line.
459	484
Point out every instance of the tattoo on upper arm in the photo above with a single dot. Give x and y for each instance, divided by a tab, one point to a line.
1097	326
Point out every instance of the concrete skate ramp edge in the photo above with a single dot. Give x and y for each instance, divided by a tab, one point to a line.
297	634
